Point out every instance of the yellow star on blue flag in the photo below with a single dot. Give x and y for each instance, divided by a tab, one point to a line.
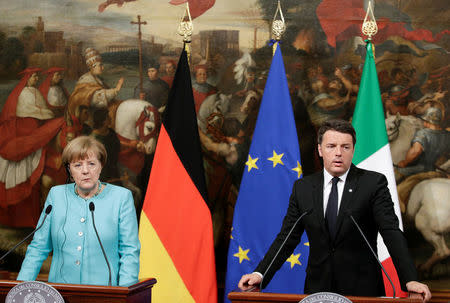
298	169
242	255
293	259
251	163
276	159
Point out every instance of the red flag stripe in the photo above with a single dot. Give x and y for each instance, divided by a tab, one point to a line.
392	272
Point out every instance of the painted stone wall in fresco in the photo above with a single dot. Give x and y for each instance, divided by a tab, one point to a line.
323	53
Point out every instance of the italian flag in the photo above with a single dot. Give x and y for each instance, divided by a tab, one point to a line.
175	228
372	150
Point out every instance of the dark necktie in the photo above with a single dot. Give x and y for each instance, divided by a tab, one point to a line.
332	208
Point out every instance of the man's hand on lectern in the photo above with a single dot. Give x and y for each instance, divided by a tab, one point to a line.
420	288
249	280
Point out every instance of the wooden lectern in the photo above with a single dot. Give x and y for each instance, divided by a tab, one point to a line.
261	297
75	293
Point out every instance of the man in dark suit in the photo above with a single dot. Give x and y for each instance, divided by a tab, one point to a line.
339	259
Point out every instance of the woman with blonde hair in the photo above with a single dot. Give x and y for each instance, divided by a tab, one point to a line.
87	249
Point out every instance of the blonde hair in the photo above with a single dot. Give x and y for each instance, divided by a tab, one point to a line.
79	148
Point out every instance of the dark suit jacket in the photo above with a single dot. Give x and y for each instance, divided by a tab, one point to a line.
344	265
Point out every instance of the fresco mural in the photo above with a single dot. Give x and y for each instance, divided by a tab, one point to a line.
71	67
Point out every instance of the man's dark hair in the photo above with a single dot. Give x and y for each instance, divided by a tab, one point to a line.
153	64
340	126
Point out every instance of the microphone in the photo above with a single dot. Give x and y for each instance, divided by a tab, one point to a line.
92	208
281	246
47	211
373	253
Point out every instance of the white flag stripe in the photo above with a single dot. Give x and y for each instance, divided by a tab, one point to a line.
381	161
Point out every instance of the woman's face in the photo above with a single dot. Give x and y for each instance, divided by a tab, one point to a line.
85	172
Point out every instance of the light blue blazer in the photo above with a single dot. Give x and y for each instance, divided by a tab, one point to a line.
69	233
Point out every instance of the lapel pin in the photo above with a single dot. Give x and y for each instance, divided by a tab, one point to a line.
350	190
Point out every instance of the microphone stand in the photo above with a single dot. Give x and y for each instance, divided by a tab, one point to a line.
92	208
281	246
47	211
373	253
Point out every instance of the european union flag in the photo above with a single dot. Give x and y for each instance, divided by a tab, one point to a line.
272	166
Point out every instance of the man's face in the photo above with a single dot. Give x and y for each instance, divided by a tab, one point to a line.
336	150
200	75
32	81
170	69
97	69
250	77
152	73
57	77
335	85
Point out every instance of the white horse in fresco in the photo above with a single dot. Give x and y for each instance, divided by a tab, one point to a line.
136	121
429	208
428	205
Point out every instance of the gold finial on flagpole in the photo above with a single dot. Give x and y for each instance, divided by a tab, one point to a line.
369	27
186	28
278	26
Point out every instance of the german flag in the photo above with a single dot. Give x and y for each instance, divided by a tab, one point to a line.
175	227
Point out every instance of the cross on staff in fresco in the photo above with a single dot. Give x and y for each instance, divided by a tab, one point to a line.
139	23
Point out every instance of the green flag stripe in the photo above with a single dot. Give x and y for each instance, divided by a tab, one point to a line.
368	117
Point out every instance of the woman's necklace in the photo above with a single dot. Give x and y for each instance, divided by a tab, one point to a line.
97	192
